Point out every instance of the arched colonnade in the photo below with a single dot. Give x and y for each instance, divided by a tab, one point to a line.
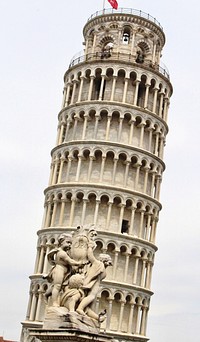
124	84
105	165
110	212
127	128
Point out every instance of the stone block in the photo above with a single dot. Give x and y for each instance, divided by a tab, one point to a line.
61	318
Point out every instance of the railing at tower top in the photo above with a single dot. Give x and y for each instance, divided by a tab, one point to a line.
132	11
80	58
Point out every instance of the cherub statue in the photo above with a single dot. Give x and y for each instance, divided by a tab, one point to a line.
62	264
73	293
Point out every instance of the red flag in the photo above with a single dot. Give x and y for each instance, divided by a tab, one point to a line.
113	3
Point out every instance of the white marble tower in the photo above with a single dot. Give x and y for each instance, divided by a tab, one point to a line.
107	164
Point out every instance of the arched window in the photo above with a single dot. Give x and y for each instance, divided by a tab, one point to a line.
140	56
107	46
126	35
142	50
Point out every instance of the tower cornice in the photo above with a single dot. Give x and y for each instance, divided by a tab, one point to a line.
122	60
110	144
101	234
96	186
113	105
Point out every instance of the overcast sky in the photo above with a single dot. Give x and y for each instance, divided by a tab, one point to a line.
38	38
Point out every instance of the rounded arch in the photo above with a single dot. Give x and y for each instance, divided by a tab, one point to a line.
91	114
103	114
92	196
104	198
142	44
135	251
118	296
121	73
138	120
87	73
79	195
69	195
75	153
123	249
86	153
98	153
98	71
129	203
143	253
105	293
111	246
139	205
106	40
52	240
110	154
138	300
122	156
133	76
109	72
117	200
130	298
100	243
128	117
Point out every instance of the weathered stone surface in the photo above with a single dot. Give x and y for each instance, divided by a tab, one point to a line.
54	317
75	279
67	335
61	318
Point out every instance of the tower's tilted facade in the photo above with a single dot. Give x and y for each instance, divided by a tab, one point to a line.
107	164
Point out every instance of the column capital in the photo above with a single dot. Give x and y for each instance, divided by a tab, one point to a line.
92	157
142	123
69	83
146	168
127	253
132	120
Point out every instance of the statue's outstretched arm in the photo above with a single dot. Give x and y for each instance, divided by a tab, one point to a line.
71	261
91	256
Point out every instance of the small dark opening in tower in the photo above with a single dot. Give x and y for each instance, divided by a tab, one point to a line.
104	87
126	36
141	92
97	87
70	94
125	227
140	57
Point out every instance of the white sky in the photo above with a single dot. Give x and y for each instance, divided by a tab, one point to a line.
38	38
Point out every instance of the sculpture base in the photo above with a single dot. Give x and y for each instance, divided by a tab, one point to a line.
66	335
61	318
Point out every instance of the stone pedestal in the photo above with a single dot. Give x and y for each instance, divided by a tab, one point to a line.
61	318
56	335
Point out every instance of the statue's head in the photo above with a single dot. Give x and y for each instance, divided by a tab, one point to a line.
76	281
65	241
106	259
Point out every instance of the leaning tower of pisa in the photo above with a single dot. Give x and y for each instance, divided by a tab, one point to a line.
107	164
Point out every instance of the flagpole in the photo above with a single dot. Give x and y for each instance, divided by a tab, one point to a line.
104	5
